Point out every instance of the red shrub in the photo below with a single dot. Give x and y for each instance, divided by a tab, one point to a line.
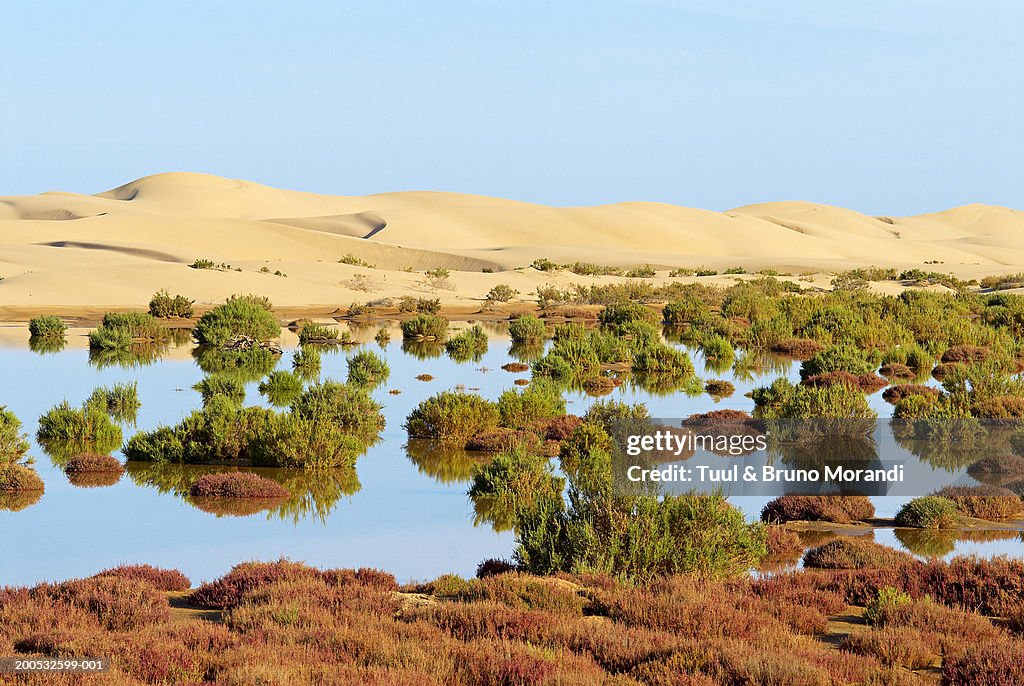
895	370
160	579
119	604
557	428
995	664
856	553
894	394
237	485
893	647
93	462
504	440
799	348
515	367
965	353
493	567
865	383
984	502
975	584
841	509
247	576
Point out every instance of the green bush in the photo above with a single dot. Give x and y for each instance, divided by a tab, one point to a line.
511	484
13	443
347	406
843	358
165	306
366	368
425	326
281	388
452	417
527	329
663	359
501	293
641	272
246	364
46	326
219	384
318	334
717	348
65	430
240	316
306	363
383	337
467	345
120	329
887	600
687	311
121	401
929	512
617	314
537	401
291	441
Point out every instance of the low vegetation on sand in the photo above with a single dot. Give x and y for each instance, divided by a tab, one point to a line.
163	305
284	622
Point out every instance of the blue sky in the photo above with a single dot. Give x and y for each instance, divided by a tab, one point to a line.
885	106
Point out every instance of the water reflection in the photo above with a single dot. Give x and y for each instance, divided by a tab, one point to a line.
19	500
443	462
313	493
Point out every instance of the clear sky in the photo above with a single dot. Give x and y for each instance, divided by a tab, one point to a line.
885	106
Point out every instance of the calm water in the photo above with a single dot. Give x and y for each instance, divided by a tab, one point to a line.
407	512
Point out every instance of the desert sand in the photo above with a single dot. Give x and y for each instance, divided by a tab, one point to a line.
70	254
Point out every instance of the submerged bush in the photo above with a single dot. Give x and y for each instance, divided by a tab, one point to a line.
17	478
85	463
319	334
425	326
856	553
838	358
240	317
527	329
120	329
306	363
281	388
928	512
539	401
366	368
46	326
452	417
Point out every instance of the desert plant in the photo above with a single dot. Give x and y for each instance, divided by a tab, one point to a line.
366	368
425	327
841	509
121	329
501	293
13	443
928	512
318	334
306	363
239	317
539	401
64	430
527	329
452	417
467	345
165	306
983	502
46	326
281	387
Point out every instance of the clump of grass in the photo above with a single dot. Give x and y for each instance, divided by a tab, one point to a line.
46	326
13	443
247	316
467	345
65	430
425	327
928	512
203	263
719	388
366	368
120	329
645	271
167	580
501	293
120	401
318	334
237	485
452	417
18	478
420	305
837	358
894	394
527	329
522	410
165	306
842	509
799	348
356	261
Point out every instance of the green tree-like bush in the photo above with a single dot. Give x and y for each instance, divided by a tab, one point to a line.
366	368
163	305
119	330
241	316
221	385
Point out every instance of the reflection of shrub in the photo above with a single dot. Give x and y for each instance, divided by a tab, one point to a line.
281	387
17	478
236	485
46	326
425	326
120	401
856	553
219	384
928	512
719	388
841	509
165	306
241	316
452	417
306	363
466	345
983	502
84	428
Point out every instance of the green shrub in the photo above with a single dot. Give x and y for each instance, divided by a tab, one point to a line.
347	406
425	326
505	489
366	368
64	430
318	333
13	443
717	348
355	261
663	359
202	263
383	337
165	306
687	311
219	384
121	401
929	512
469	344
240	316
543	264
246	364
421	305
292	441
641	272
836	358
617	314
46	326
120	329
501	293
452	417
537	401
527	329
109	339
281	388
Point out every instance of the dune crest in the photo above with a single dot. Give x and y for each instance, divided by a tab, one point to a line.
117	247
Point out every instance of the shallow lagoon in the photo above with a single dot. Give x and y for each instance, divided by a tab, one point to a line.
406	512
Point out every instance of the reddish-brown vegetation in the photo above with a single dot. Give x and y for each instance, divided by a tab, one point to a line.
894	394
965	353
841	509
516	367
999	407
93	462
865	383
799	348
160	579
984	502
896	370
237	485
856	553
502	439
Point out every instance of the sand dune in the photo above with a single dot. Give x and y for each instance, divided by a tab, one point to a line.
114	249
